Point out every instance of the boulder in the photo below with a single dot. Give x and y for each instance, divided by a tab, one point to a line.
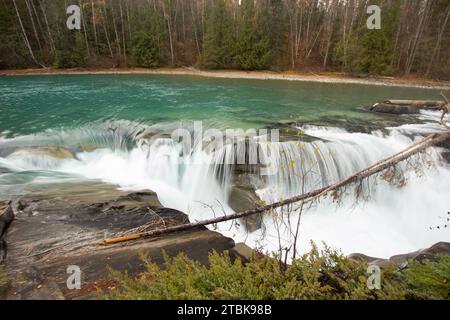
394	109
401	260
445	145
421	255
6	217
245	253
243	199
369	260
446	156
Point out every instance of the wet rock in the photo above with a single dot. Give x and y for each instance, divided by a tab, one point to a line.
85	148
446	146
244	252
53	152
127	257
246	180
64	225
292	133
401	261
6	217
30	284
446	156
369	260
249	180
149	135
243	199
394	109
364	125
421	255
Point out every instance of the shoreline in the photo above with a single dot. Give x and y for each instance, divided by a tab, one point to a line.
336	78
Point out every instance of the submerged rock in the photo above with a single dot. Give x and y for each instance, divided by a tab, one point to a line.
54	152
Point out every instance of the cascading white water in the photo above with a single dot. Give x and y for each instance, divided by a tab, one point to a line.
394	220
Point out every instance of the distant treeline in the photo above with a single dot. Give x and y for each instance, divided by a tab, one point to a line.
308	35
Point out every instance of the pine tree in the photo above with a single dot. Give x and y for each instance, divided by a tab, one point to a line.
371	51
253	48
12	50
218	39
146	39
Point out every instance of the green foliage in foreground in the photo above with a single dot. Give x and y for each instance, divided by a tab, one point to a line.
317	275
430	279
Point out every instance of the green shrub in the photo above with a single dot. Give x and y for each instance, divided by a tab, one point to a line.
429	279
320	274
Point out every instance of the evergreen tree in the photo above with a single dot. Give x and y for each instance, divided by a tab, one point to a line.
218	38
73	53
12	50
244	34
371	51
253	48
146	39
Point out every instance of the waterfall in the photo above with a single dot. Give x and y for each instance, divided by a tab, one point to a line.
394	219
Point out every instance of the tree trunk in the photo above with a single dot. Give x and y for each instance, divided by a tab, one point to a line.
36	34
94	25
194	24
52	42
116	32
417	39
88	50
123	33
169	27
105	28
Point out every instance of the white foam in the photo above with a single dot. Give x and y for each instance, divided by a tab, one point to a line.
394	220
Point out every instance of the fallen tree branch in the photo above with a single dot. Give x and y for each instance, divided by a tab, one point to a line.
377	167
431	103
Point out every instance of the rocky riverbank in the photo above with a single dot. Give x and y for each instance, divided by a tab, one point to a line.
65	227
43	234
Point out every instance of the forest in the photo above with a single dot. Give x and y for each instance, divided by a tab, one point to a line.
276	35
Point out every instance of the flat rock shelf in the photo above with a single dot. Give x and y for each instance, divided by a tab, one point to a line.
64	227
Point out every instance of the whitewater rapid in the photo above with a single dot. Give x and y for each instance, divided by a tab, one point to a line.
392	219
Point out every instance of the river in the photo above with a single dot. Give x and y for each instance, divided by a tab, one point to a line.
116	128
